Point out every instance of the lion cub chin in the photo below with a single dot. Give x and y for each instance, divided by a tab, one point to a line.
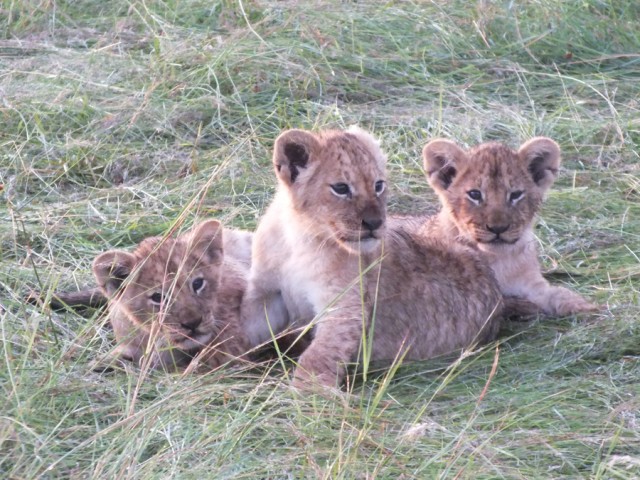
490	196
323	253
172	298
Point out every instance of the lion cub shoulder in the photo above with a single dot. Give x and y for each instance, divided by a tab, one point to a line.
173	297
490	196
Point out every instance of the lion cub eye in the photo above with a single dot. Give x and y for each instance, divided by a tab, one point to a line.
156	298
380	186
516	196
341	190
474	195
198	285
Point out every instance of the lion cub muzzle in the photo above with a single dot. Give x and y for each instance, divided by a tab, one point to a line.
372	220
191	333
371	231
187	329
498	237
192	324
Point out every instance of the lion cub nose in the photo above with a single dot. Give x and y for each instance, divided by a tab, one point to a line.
372	223
191	324
498	229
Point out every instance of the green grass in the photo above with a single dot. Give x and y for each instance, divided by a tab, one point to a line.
119	117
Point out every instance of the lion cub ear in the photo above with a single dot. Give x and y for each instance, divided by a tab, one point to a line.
206	240
111	269
442	161
291	153
541	157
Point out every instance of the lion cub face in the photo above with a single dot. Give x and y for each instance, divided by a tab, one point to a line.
171	283
492	192
336	181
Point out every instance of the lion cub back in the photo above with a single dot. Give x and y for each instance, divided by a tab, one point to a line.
433	298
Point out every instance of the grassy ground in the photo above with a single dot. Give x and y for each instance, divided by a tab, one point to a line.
118	118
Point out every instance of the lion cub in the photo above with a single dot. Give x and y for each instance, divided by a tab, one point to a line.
323	251
490	197
171	298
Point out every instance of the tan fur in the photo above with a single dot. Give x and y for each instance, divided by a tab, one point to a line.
237	245
510	187
324	253
432	298
171	298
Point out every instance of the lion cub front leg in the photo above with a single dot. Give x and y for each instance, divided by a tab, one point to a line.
133	345
338	335
551	299
230	345
561	301
130	343
263	314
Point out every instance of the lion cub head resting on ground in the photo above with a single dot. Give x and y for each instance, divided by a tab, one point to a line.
171	297
490	196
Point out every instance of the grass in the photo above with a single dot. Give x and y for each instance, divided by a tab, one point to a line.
120	117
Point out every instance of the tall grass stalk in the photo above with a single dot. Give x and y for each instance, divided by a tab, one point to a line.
129	118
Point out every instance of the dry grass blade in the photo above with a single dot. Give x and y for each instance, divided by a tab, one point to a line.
129	118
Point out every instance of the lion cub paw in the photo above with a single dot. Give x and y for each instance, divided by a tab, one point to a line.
305	381
573	308
313	374
565	302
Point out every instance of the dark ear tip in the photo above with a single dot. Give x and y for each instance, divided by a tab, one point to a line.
297	151
439	165
441	159
542	158
207	237
111	268
292	151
